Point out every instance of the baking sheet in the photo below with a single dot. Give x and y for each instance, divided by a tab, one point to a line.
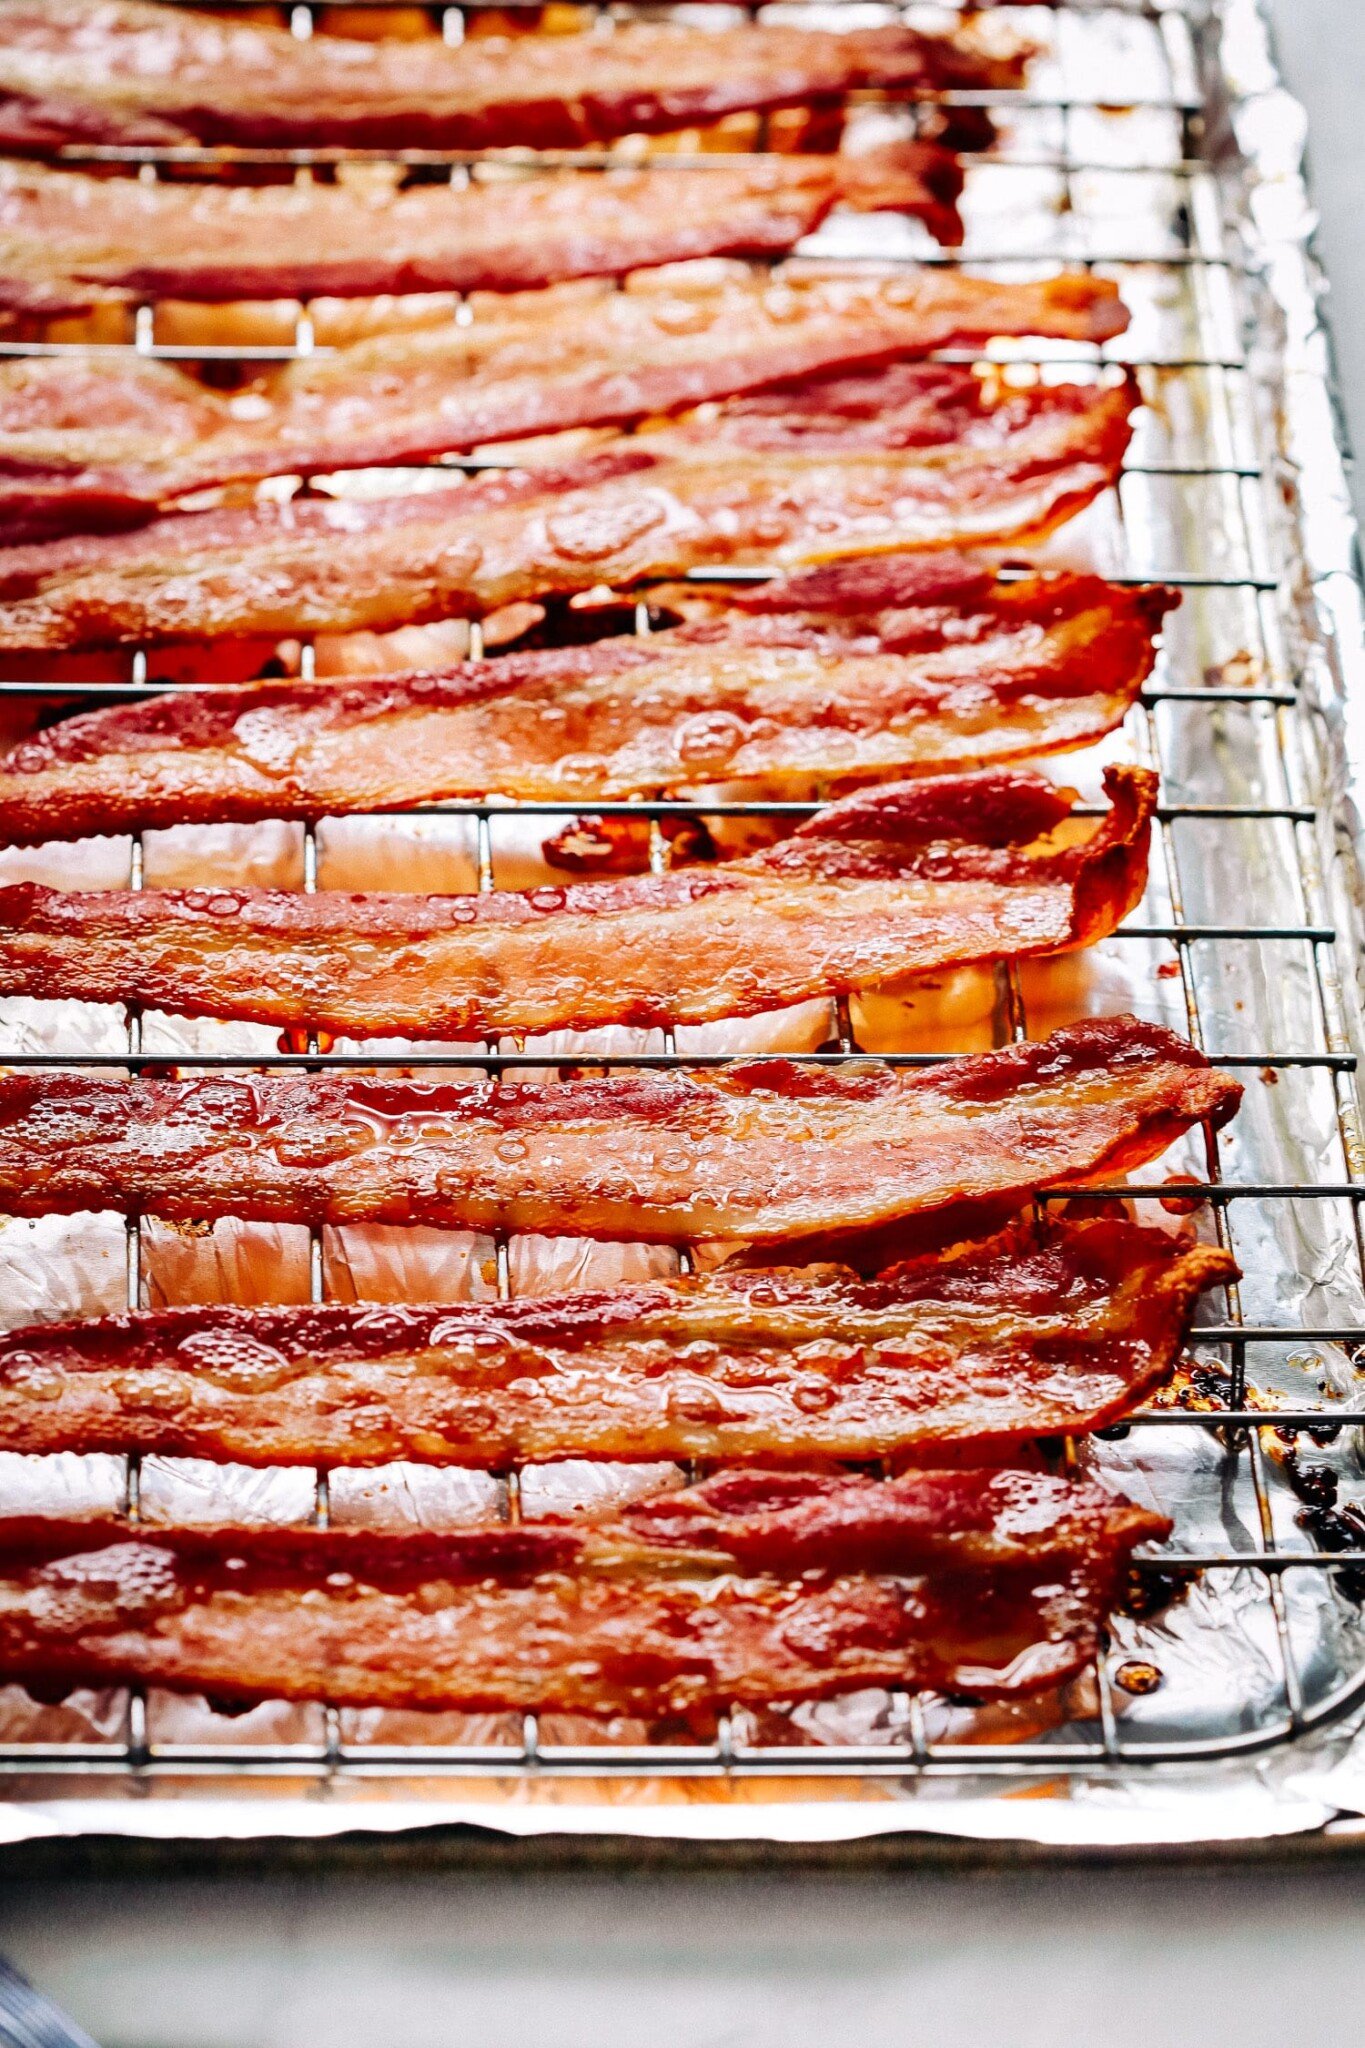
1246	412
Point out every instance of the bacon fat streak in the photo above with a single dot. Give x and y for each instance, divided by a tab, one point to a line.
763	1150
104	439
1032	1334
750	1588
890	666
918	456
126	72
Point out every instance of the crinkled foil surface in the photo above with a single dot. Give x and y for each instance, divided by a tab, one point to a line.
1261	497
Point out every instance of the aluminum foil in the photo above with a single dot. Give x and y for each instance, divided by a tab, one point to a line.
1262	498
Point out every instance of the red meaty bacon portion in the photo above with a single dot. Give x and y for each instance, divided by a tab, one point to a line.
126	72
1035	1333
750	1588
918	456
69	241
904	880
895	665
763	1150
107	439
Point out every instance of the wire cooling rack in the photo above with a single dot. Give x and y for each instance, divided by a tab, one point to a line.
1242	936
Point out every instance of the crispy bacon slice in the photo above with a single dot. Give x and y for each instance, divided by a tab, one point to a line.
894	665
915	457
128	72
750	1588
69	242
763	1150
101	439
904	880
1034	1333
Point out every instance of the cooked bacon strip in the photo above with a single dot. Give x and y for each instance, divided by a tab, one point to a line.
1036	1333
69	242
749	1520
895	665
905	880
100	439
131	1611
915	457
126	72
763	1150
750	1588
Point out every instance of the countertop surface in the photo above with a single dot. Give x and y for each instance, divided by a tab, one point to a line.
1145	1957
1100	1958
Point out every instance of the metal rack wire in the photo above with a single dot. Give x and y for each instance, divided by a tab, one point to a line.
1248	1424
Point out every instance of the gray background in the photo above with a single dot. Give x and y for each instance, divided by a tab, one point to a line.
1106	1957
1321	47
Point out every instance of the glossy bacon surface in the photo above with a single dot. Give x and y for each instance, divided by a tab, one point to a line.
1030	1334
69	241
104	439
750	1588
894	665
900	881
762	1150
918	456
127	72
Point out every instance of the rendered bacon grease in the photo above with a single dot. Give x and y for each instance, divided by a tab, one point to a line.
918	456
764	1150
890	666
750	1587
1036	1333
